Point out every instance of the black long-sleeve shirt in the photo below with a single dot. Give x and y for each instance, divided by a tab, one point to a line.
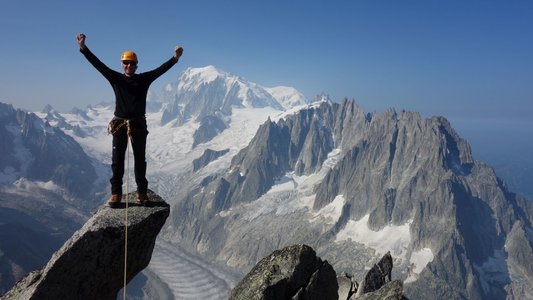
130	92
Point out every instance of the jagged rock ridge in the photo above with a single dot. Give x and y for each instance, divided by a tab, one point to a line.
90	264
395	169
35	150
210	126
290	273
207	157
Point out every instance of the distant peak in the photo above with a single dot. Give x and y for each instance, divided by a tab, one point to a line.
323	97
208	73
47	108
192	78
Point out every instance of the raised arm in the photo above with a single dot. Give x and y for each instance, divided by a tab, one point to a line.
108	73
155	73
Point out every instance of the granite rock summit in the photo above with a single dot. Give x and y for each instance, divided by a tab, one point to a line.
90	265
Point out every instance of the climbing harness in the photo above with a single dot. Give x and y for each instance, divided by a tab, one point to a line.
116	124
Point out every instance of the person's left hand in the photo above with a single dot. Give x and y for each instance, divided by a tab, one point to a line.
178	51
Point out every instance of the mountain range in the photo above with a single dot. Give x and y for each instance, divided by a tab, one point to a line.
48	185
248	170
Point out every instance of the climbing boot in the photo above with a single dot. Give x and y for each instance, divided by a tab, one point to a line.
142	198
114	202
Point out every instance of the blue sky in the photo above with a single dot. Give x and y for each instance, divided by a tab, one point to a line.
470	61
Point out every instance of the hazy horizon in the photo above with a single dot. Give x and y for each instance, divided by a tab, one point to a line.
455	58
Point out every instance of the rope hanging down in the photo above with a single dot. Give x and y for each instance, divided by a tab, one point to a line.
112	129
127	123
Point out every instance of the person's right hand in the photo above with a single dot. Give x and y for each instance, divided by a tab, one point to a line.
81	40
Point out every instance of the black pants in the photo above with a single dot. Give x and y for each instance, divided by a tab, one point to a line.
120	142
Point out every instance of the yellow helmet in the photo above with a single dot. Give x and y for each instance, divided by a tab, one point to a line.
129	55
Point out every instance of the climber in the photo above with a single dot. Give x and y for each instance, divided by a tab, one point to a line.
129	117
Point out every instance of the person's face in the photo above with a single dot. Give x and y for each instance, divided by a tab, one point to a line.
129	67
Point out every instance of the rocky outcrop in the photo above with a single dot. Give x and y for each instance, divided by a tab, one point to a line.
390	291
520	256
90	265
294	272
207	157
347	286
377	284
210	126
377	276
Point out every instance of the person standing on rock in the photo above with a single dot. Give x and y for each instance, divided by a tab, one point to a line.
129	120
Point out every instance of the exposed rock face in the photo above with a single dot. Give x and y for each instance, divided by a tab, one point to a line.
33	149
90	265
210	126
347	287
520	251
207	157
377	276
391	291
394	170
294	272
376	284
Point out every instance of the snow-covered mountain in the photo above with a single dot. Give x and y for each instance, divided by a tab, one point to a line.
203	92
208	96
47	185
249	170
36	150
356	185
